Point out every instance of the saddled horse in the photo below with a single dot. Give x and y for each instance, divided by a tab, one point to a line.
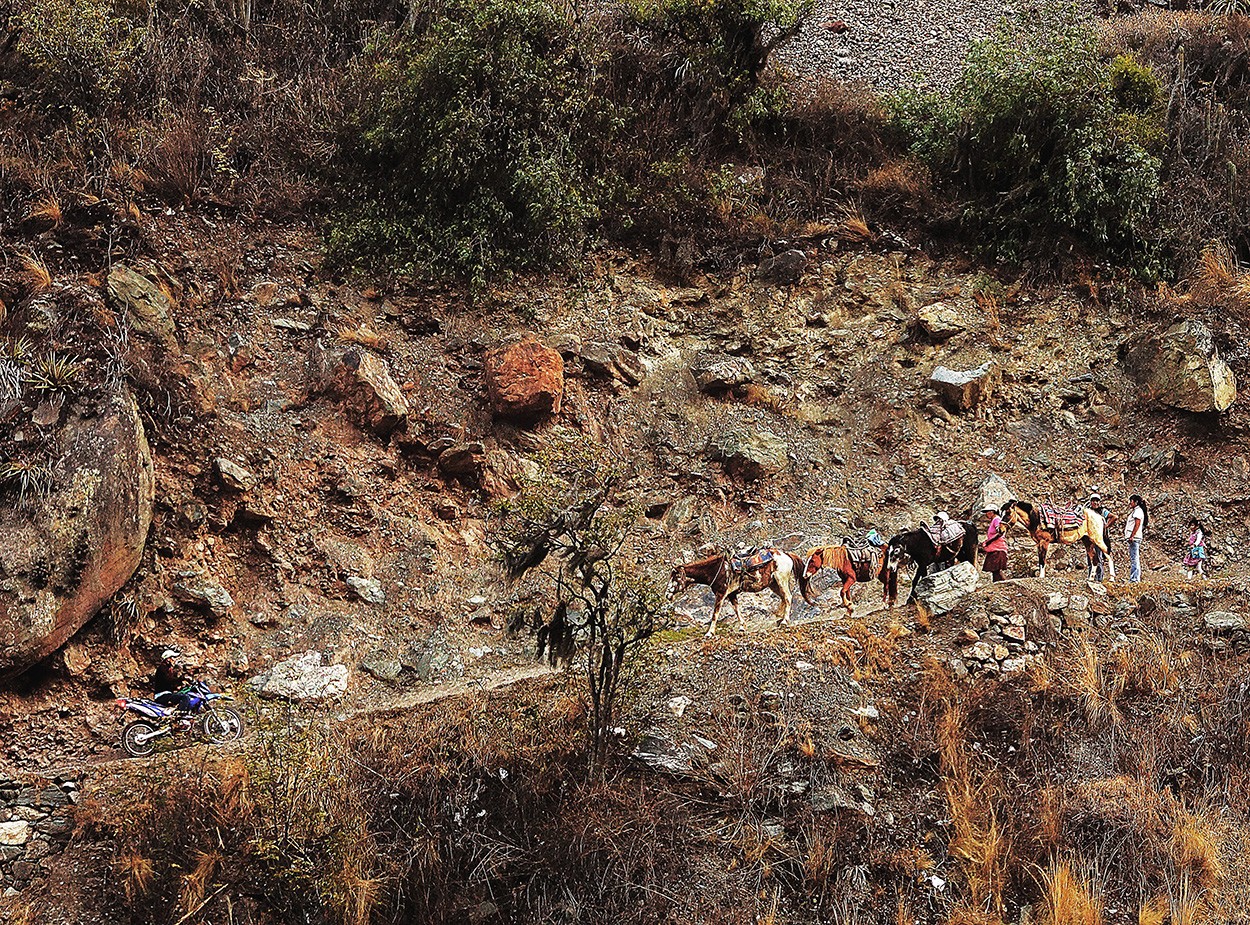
855	564
1046	525
922	549
727	582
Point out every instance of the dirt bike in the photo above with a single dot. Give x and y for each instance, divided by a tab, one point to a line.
194	710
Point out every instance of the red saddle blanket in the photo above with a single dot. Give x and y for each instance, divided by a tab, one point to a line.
1060	518
752	561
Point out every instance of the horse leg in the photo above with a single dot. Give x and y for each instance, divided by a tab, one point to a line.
848	600
1041	558
784	592
711	631
915	577
742	627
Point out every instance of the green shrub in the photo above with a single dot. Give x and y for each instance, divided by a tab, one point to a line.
1043	138
84	49
465	149
718	51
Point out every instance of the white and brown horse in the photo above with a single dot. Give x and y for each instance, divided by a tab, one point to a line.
1048	525
726	582
854	565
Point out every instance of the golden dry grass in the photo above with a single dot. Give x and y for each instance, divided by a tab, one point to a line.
47	209
35	273
1218	280
853	227
136	873
1070	897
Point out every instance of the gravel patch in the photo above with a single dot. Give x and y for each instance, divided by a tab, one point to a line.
890	44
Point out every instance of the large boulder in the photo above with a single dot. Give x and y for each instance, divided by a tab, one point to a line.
942	590
751	456
301	677
365	382
716	372
145	296
69	549
1182	368
965	389
992	492
525	380
942	320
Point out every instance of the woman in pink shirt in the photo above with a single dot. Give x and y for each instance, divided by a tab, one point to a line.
995	546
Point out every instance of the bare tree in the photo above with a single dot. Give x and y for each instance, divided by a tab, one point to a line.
601	602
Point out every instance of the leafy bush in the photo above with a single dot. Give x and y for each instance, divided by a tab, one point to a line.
464	150
83	47
1043	138
716	51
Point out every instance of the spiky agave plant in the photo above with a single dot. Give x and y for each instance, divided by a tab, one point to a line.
17	349
56	372
29	479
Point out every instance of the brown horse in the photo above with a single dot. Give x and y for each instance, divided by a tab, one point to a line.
1048	526
855	565
726	582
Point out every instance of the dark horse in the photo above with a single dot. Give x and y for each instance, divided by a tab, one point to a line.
726	582
918	546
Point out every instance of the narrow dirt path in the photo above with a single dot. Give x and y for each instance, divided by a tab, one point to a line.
405	701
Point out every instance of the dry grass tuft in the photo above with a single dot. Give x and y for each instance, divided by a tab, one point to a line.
35	273
852	227
136	873
1070	897
1195	852
47	210
1218	280
1154	911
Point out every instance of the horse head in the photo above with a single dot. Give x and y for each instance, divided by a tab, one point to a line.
679	580
815	560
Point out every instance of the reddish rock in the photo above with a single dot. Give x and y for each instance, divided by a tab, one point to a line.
525	380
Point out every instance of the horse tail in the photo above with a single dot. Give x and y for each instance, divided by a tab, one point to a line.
972	539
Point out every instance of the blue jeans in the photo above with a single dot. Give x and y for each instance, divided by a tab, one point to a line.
1099	562
1134	560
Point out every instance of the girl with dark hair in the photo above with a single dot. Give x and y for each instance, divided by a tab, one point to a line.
1196	549
1134	529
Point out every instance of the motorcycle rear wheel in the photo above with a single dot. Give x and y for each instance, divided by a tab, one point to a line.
221	725
133	745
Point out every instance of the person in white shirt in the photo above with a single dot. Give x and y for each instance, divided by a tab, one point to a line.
1134	529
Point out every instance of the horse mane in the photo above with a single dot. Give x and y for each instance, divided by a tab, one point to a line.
833	556
708	561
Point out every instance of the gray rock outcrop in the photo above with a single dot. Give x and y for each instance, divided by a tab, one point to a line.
964	390
301	677
751	456
1182	368
941	591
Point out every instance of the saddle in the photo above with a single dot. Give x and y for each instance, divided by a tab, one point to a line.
1061	519
864	559
752	560
948	534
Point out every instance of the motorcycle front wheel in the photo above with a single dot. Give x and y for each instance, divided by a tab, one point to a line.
135	739
221	725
